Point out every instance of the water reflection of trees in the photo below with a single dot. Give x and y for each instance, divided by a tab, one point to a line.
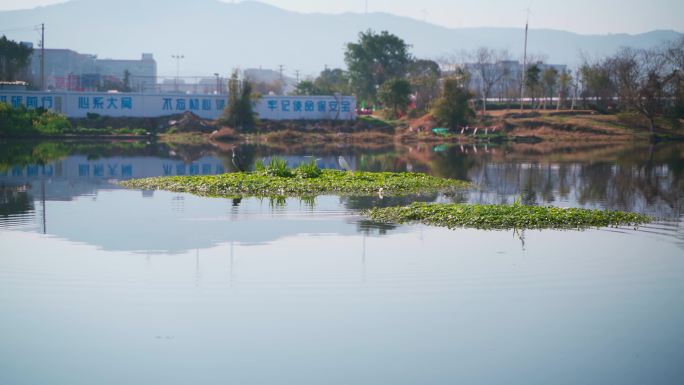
630	181
370	227
14	201
646	178
635	178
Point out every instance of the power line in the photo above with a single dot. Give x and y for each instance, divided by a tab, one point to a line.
32	28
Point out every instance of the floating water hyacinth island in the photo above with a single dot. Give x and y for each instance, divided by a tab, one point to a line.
504	217
277	180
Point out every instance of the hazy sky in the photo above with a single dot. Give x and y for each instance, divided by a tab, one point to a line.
582	16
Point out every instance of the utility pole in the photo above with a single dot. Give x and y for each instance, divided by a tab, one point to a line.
524	68
297	74
178	58
42	56
280	69
218	83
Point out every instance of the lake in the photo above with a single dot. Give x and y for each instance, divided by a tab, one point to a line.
103	285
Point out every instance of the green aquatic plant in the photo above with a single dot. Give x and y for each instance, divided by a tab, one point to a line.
515	216
262	183
278	167
309	170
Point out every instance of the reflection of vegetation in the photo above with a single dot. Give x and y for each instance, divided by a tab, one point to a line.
367	202
22	153
25	153
263	184
452	164
648	179
368	227
515	216
14	202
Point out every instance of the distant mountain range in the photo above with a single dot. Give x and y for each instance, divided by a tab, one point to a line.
216	37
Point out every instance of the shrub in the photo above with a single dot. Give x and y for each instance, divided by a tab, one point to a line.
453	109
22	121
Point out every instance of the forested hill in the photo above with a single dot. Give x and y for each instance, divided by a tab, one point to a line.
215	36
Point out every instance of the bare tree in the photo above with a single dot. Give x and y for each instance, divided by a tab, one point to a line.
488	69
674	57
575	89
640	81
564	82
451	62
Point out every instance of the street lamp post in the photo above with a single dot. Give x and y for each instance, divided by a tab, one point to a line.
178	58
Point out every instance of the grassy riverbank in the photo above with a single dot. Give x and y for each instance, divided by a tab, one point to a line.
515	216
533	126
529	126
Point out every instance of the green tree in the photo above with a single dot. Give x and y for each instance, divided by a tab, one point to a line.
332	81
453	108
306	87
597	83
239	113
533	80
329	82
396	94
424	78
127	81
14	59
549	81
373	60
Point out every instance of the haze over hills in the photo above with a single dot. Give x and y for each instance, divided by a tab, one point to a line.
216	37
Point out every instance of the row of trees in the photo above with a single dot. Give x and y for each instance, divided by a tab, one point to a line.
649	82
382	71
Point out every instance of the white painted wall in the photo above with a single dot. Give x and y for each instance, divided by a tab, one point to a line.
306	108
78	104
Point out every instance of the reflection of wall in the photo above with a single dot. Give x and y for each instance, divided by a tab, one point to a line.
77	175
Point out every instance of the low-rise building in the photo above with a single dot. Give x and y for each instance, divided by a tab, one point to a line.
66	69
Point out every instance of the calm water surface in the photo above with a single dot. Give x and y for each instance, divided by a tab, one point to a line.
101	285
